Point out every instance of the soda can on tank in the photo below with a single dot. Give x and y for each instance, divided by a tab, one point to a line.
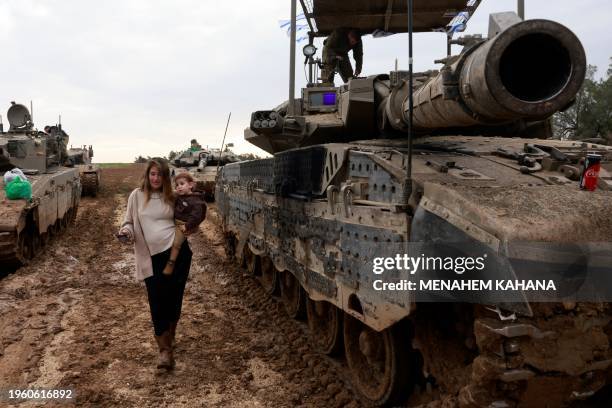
590	173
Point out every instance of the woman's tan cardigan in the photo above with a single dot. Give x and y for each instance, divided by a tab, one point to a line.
144	267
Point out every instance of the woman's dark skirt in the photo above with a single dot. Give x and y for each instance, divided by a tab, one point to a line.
165	293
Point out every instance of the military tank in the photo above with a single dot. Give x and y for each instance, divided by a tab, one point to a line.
210	161
189	158
203	165
27	225
90	172
480	174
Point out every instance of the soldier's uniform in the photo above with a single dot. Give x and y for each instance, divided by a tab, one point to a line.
337	45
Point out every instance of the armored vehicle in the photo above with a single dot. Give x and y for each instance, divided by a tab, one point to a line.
215	157
450	165
90	172
205	174
27	225
203	165
189	158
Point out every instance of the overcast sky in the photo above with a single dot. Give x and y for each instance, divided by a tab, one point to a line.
144	77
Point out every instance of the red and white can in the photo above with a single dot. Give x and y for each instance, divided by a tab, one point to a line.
590	173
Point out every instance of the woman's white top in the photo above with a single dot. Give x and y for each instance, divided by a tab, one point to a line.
157	222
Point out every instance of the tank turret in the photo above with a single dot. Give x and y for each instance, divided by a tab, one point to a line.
508	84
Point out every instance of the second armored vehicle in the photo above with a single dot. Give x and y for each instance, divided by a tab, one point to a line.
91	173
210	162
203	165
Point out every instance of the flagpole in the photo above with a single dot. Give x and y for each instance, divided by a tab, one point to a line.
291	107
408	183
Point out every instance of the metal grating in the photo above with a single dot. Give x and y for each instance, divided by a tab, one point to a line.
384	15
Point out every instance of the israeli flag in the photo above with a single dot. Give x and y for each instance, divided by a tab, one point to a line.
300	25
458	24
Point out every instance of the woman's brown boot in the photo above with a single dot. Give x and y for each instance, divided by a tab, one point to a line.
166	359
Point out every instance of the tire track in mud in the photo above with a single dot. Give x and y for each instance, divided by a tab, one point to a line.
76	318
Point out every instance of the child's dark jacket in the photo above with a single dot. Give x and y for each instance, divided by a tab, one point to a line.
190	209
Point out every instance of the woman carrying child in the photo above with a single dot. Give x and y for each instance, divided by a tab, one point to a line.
149	222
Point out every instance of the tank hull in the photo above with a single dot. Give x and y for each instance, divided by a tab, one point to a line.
26	226
321	214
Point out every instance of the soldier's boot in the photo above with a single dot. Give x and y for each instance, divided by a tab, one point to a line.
166	358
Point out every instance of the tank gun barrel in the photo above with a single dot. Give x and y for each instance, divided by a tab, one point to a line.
507	85
526	70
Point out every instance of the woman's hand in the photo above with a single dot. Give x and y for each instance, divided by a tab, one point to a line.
125	235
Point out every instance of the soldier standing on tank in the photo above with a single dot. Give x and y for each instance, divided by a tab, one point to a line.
335	54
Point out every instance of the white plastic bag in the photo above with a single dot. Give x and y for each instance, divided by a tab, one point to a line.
12	174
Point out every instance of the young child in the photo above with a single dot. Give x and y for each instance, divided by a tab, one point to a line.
189	212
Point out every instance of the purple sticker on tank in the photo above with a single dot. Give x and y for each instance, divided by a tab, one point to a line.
329	98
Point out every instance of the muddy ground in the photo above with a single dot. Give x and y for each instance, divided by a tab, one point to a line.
76	318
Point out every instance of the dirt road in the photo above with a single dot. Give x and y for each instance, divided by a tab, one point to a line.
75	318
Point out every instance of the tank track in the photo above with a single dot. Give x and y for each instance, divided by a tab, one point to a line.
469	355
9	250
19	247
89	183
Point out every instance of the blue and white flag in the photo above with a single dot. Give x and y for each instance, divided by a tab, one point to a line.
300	25
458	24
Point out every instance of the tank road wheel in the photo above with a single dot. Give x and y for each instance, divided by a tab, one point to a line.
25	247
269	276
252	262
378	361
292	295
325	324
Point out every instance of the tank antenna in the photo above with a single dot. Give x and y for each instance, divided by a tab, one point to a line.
31	111
521	9
408	183
223	142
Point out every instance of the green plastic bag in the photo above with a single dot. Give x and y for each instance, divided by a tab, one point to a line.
17	189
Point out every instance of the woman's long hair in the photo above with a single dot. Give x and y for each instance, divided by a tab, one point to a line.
145	186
